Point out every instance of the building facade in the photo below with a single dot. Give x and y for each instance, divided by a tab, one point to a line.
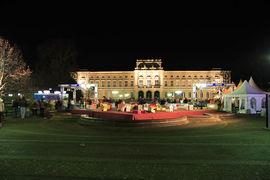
150	81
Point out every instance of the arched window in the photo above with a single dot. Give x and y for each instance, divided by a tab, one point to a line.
156	95
141	94
148	95
253	103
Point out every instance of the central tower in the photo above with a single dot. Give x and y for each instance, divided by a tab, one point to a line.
148	64
148	76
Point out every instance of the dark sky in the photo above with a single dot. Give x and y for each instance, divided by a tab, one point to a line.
114	43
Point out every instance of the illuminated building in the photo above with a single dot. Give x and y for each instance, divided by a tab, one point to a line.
150	81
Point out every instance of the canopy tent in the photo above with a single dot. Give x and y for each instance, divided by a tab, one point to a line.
239	84
253	84
229	89
249	99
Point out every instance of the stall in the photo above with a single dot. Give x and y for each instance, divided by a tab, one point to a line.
246	99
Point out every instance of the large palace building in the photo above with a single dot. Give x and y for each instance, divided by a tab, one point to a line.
150	81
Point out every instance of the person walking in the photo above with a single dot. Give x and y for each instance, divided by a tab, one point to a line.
2	110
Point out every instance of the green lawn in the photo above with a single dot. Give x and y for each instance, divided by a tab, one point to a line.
50	149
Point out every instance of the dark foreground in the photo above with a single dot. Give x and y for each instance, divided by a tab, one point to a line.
54	149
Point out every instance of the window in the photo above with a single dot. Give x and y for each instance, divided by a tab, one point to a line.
165	76
131	83
171	76
126	77
126	83
148	82
120	83
177	76
201	95
114	83
207	95
102	76
177	83
120	76
189	94
131	76
156	82
97	82
91	82
183	76
97	77
109	83
165	83
172	83
102	83
140	82
253	103
109	76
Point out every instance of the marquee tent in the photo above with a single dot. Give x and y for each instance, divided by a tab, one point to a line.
248	98
229	89
239	84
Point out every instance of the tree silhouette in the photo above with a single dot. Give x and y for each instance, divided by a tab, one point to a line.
56	60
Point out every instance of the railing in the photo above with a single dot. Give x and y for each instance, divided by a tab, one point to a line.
149	86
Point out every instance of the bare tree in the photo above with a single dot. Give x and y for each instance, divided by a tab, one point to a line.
14	75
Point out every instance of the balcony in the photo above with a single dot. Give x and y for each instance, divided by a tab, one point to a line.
149	86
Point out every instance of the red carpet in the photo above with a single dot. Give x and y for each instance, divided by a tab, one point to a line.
145	116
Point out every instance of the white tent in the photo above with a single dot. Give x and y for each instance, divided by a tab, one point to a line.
249	99
252	83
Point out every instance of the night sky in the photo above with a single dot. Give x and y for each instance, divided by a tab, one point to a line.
111	43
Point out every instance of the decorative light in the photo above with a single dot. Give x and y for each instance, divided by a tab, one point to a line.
83	85
88	86
39	92
115	92
19	94
121	95
45	92
82	81
201	85
178	92
126	95
169	94
57	92
211	105
10	95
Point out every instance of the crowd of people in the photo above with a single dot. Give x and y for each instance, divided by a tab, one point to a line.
23	107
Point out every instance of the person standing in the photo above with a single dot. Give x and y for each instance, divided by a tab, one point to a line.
34	108
23	106
41	108
2	110
15	104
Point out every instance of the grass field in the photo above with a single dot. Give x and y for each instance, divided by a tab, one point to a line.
37	148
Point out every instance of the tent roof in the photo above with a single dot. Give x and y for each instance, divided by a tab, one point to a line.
228	90
246	89
239	84
253	84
